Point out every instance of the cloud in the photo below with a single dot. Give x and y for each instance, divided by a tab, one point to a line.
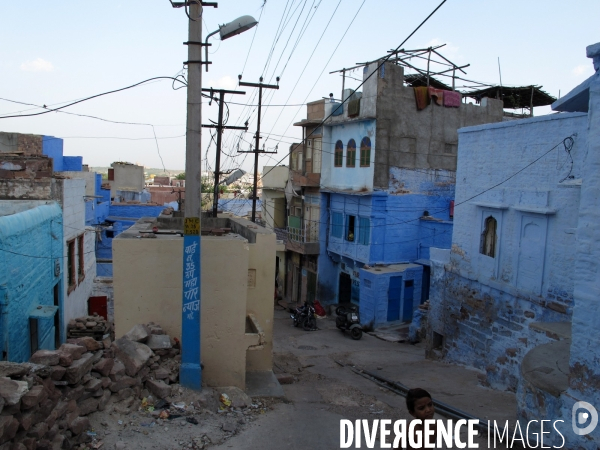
446	50
582	70
225	82
37	65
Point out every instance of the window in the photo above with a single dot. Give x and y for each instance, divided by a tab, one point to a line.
81	259
489	238
339	154
111	174
71	262
365	152
350	228
337	224
364	230
351	154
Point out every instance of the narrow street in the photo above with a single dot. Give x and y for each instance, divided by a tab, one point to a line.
323	392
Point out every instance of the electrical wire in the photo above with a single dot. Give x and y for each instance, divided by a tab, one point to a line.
49	110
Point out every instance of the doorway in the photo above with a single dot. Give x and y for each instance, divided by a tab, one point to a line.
394	297
407	308
345	288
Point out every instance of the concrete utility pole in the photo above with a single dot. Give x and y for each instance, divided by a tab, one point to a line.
190	374
256	150
220	127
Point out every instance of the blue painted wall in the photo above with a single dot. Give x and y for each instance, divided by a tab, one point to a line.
72	163
32	241
397	234
134	211
374	289
53	147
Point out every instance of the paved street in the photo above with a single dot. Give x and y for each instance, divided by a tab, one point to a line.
325	392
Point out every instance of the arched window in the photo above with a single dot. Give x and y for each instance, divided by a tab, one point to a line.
365	152
339	154
489	237
351	153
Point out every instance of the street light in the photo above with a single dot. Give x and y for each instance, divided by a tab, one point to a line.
231	29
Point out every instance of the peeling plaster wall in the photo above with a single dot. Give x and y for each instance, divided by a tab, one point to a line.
482	305
32	239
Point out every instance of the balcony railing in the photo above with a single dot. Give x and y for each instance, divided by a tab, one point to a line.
308	234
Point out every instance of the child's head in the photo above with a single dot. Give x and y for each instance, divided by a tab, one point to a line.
419	404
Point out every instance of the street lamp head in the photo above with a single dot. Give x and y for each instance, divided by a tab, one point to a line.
237	26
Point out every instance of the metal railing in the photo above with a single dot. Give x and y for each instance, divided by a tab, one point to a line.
307	234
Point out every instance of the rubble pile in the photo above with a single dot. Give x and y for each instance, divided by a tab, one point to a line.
94	326
44	403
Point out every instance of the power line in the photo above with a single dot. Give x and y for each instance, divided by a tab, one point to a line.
49	110
383	61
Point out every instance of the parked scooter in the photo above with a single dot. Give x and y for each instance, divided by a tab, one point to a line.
305	316
349	319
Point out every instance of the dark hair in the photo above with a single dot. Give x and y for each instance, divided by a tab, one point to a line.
413	395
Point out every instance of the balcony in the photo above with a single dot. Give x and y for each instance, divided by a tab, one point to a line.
305	180
303	240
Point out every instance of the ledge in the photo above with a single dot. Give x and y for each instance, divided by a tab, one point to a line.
490	205
535	210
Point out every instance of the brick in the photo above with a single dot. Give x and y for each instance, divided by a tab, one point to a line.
104	366
133	355
117	371
10	430
511	351
79	368
139	333
79	425
45	357
158	388
35	396
76	351
38	430
58	373
64	359
88	406
103	401
12	390
123	383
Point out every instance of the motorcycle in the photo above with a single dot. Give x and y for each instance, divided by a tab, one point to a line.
349	319
305	316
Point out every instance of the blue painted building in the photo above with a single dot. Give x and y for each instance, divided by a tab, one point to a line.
517	296
120	218
387	193
31	270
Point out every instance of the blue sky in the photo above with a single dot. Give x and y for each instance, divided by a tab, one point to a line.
54	52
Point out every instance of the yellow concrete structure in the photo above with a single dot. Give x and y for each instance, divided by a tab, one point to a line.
237	280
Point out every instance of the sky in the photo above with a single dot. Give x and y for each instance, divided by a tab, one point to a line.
56	52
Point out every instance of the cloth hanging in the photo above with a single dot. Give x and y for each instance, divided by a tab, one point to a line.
437	95
421	97
452	99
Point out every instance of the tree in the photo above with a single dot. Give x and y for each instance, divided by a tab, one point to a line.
180	176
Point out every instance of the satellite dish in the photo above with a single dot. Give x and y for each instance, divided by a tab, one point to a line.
237	26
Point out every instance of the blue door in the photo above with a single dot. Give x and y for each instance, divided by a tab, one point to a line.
394	296
407	307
